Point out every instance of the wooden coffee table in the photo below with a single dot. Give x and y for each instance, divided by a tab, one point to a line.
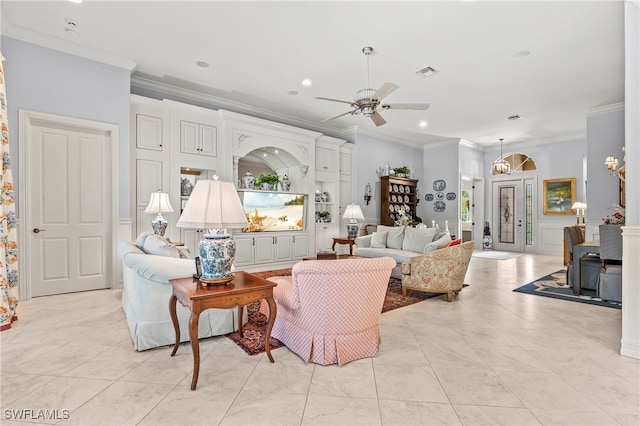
243	290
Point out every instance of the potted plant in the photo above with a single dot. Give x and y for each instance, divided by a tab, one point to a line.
403	171
323	216
267	181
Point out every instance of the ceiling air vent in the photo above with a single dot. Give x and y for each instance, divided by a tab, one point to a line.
426	72
513	117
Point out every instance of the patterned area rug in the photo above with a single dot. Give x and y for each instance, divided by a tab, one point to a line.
252	340
555	285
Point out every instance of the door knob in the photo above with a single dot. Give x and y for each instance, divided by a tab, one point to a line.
37	231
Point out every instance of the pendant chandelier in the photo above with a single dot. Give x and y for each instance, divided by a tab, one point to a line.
501	166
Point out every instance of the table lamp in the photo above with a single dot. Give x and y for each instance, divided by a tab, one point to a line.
214	205
577	206
159	203
353	213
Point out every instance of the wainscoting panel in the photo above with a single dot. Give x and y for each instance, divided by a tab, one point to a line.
551	238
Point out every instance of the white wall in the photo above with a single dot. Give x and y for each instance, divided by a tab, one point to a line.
605	137
441	163
369	154
45	80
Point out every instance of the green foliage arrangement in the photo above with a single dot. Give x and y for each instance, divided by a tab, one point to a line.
402	170
268	178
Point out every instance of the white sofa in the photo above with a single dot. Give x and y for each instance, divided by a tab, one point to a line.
146	293
400	243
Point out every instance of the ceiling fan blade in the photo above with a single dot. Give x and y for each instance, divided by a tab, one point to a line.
337	116
334	100
385	90
421	107
377	119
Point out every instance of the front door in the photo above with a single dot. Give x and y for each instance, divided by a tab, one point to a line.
69	214
507	215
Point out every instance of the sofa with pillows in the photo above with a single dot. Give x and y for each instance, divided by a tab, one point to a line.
401	243
147	266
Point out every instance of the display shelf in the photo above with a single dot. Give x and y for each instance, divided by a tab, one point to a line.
397	195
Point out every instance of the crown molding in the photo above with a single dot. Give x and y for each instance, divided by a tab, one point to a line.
604	109
20	33
219	103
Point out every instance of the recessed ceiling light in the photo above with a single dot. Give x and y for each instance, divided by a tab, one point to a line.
306	82
423	124
275	151
264	155
202	64
76	1
292	92
513	117
426	72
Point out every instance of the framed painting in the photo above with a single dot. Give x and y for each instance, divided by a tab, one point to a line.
558	195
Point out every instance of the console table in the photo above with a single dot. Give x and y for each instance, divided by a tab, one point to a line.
243	290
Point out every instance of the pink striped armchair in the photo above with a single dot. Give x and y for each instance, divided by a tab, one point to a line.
328	310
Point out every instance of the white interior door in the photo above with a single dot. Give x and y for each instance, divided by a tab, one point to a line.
508	215
69	214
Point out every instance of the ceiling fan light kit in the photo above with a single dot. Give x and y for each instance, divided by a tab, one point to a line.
367	101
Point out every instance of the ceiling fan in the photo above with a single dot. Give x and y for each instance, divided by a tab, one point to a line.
367	101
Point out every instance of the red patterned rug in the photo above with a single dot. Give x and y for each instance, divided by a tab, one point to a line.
252	341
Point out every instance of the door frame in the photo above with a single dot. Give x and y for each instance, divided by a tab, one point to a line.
26	120
523	180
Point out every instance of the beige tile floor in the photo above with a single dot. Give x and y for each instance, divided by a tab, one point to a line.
491	357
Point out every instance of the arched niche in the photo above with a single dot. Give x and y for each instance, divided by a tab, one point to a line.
271	159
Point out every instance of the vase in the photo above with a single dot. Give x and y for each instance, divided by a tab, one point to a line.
285	183
487	242
247	180
185	187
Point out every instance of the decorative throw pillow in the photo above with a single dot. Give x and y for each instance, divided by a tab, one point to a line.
379	239
140	240
160	246
394	237
416	239
438	244
455	242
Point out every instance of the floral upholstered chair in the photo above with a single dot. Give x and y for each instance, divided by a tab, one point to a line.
328	310
439	271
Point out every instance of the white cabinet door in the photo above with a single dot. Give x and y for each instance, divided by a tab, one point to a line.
189	137
244	251
148	132
198	139
148	180
191	238
208	140
300	243
345	164
324	236
282	247
325	159
263	249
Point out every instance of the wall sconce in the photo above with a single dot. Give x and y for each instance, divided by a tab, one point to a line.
367	193
612	165
578	206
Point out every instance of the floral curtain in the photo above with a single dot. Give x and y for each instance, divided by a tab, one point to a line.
8	237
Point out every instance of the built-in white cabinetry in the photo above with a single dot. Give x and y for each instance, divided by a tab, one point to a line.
325	159
345	184
198	139
148	132
261	248
324	236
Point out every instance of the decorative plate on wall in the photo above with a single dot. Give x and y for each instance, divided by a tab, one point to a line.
439	206
439	185
439	195
428	197
451	196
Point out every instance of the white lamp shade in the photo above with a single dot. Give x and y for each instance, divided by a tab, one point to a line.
213	204
159	203
353	212
578	205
